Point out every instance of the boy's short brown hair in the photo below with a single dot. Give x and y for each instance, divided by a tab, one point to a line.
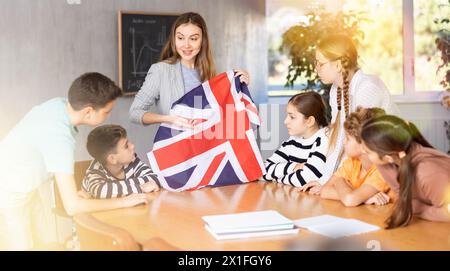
102	141
354	122
92	89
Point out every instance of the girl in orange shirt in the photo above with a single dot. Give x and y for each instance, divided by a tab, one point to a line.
357	180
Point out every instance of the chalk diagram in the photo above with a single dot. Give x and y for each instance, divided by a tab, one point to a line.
143	37
143	51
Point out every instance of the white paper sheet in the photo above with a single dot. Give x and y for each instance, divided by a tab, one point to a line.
335	227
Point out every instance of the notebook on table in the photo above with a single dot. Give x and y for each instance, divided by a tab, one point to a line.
237	235
248	224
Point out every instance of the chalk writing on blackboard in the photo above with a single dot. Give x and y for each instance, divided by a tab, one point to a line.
141	39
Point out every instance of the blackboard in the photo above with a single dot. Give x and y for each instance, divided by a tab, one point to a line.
142	37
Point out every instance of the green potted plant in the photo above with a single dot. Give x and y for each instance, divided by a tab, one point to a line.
443	45
300	42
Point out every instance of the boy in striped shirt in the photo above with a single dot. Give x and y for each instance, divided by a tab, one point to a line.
116	170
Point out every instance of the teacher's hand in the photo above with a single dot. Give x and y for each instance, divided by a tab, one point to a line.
181	122
245	77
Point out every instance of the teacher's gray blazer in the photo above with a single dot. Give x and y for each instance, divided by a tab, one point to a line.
163	85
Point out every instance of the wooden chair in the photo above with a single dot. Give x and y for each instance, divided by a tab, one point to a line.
79	172
58	206
96	235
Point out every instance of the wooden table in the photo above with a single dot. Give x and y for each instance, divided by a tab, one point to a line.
176	218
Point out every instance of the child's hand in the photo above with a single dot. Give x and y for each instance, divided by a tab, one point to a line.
315	190
150	186
299	166
378	199
134	199
311	185
83	194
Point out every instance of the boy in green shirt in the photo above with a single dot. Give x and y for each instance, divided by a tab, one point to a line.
41	147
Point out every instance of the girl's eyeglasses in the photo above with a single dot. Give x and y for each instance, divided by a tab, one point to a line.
319	65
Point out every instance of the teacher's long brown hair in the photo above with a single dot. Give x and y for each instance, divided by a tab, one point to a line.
204	62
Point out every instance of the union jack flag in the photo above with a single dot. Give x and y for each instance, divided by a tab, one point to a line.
221	149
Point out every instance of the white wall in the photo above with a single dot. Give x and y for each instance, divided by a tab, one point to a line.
429	118
46	44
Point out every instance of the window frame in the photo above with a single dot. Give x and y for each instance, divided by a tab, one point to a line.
410	94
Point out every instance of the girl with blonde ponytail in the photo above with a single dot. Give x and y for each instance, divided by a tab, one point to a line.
411	166
337	64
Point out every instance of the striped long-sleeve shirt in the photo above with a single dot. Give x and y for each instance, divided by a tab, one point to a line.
310	151
100	183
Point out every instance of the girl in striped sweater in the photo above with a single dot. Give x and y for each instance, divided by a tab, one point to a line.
302	157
